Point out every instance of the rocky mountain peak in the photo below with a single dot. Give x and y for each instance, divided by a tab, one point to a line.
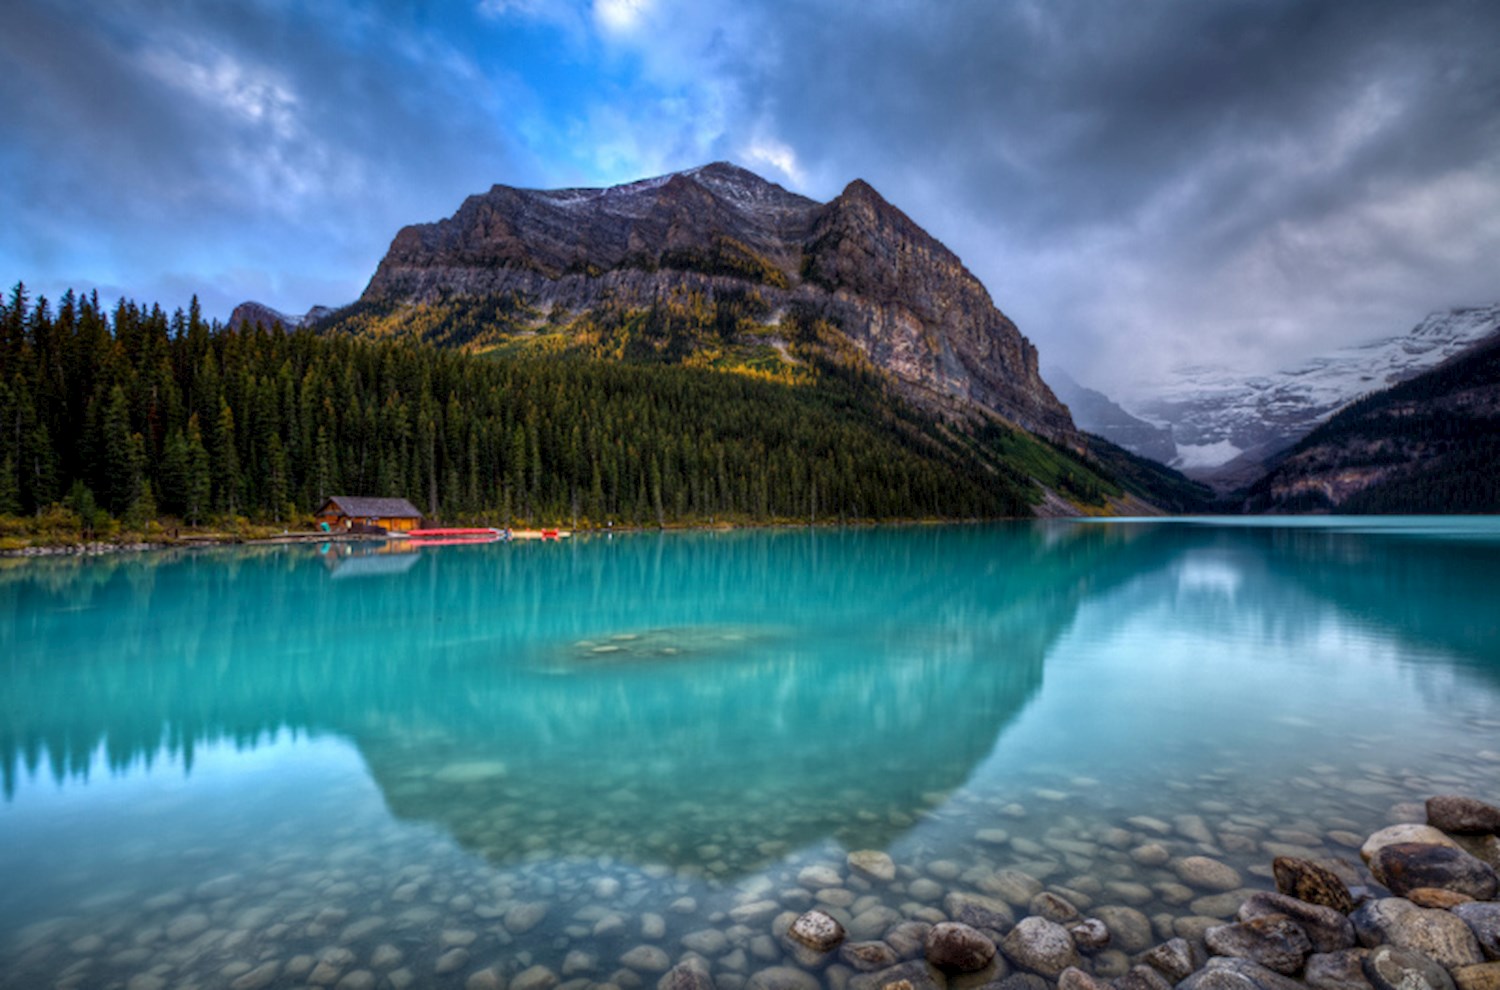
858	262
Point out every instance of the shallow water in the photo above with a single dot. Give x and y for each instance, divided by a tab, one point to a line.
289	765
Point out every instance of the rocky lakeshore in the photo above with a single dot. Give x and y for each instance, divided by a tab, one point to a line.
1156	904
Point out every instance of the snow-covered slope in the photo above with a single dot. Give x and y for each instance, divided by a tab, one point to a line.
1226	426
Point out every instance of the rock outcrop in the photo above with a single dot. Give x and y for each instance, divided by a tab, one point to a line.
901	298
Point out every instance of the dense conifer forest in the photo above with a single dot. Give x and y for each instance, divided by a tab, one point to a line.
135	414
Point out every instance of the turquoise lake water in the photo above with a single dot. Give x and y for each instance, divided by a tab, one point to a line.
289	765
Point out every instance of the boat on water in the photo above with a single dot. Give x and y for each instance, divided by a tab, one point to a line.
448	535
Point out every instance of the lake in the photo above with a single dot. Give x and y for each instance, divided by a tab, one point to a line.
575	763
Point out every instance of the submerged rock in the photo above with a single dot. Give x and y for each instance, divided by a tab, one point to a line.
958	948
817	930
1405	866
1090	935
1456	813
872	865
1307	881
979	911
868	957
1041	946
1207	874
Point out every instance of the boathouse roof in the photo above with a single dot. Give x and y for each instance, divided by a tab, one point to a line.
359	506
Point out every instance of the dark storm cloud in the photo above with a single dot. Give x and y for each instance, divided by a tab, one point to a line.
1162	167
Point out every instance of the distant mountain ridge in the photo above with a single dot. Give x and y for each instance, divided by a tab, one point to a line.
1226	429
720	232
254	312
1430	444
1094	412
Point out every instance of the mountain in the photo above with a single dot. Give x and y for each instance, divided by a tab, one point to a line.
1094	412
714	265
251	313
1430	444
1227	428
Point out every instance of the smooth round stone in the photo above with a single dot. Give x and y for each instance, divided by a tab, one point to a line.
1175	959
874	922
451	961
1435	897
146	981
1128	891
1390	968
1337	970
816	930
461	937
868	957
1464	815
1273	940
819	875
1012	886
1439	935
944	869
186	926
992	836
1219	905
1150	854
957	948
484	979
646	959
707	942
908	938
606	888
534	978
1408	832
653	926
1327	929
836	897
783	978
1048	905
979	911
1173	893
1041	946
524	917
872	864
683	905
924	889
577	961
1129	929
1406	866
1310	882
1481	976
1090	935
609	926
1225	973
1484	921
1207	874
258	978
386	956
359	979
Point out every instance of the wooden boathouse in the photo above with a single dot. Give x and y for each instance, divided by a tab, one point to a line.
343	512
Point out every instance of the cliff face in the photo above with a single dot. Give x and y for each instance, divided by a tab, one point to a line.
900	296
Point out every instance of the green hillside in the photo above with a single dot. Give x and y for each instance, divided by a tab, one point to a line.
139	414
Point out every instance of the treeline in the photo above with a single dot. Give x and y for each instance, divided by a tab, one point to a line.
143	414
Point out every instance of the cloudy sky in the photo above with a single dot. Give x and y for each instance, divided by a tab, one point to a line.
1140	184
